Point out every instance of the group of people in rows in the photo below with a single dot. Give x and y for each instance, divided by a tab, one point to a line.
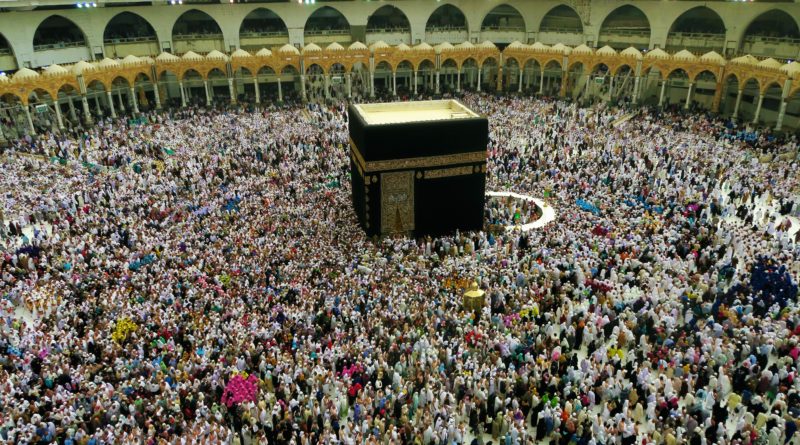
201	278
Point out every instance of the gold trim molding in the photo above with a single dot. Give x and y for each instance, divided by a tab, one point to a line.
448	172
413	163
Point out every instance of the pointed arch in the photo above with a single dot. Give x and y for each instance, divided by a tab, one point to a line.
562	18
773	23
698	29
773	33
700	19
193	22
128	25
625	26
263	21
445	17
326	18
57	31
503	17
390	18
8	59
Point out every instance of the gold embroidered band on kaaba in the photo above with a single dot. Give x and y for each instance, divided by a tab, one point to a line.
409	163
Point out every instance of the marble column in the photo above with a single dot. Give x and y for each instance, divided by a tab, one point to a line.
121	103
87	115
58	115
111	105
736	106
157	95
72	115
611	88
231	90
183	93
781	114
30	119
134	102
758	108
541	82
372	84
689	96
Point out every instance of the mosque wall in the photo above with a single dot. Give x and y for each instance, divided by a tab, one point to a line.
18	27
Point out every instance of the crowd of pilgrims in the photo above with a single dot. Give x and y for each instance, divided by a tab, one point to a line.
152	263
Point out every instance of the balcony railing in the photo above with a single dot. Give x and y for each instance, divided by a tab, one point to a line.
59	45
211	36
388	30
696	35
503	28
625	32
766	39
5	51
446	29
138	39
256	34
561	30
327	32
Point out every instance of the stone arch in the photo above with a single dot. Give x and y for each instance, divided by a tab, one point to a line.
767	85
404	62
315	68
262	25
195	30
8	59
388	17
38	92
503	17
619	68
264	72
561	18
750	83
700	19
97	84
57	31
676	73
773	21
446	16
774	33
702	75
288	69
326	18
625	26
165	72
120	82
136	27
191	74
699	29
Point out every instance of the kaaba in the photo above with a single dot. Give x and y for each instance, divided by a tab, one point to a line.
418	168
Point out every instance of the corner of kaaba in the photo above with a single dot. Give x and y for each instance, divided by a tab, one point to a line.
418	168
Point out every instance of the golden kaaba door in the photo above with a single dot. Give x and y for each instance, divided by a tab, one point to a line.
397	202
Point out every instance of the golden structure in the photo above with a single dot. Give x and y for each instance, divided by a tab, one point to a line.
473	298
288	63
